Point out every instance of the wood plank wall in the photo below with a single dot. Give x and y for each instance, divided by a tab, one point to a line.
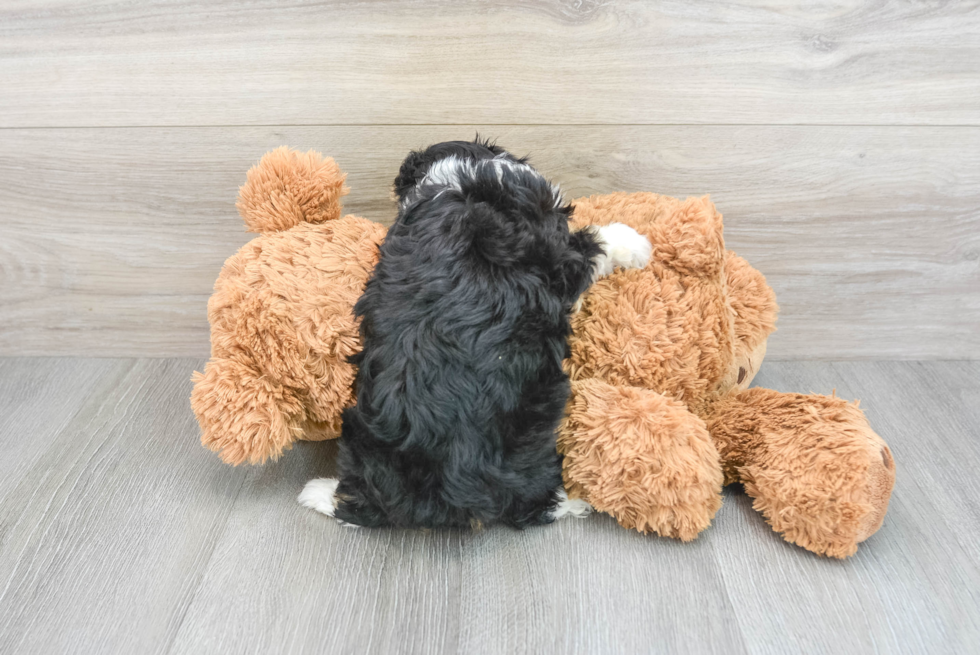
841	142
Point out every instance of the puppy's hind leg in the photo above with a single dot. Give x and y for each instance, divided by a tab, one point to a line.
320	495
556	505
342	500
570	507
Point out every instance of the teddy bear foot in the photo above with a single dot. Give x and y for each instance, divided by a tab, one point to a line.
244	415
641	457
816	470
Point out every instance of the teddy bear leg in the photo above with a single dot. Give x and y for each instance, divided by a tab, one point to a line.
641	457
816	470
244	415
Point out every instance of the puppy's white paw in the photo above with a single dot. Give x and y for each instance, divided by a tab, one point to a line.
621	246
566	506
320	495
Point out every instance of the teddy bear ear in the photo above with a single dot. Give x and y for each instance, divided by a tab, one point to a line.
288	187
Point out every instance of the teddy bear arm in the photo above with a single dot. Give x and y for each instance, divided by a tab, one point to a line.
641	457
816	470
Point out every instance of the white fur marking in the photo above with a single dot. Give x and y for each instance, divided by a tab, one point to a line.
319	495
446	172
556	192
621	246
575	507
500	162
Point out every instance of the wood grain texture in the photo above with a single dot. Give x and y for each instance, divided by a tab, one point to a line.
107	531
327	587
512	61
38	399
120	534
912	587
111	239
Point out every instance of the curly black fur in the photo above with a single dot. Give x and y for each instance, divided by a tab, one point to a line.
464	325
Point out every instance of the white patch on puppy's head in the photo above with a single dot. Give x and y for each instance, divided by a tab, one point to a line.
446	172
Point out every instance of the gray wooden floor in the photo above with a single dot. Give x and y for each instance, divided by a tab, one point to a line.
120	534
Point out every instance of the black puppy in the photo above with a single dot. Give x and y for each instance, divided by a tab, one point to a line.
464	324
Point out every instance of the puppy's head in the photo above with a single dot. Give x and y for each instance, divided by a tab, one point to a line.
490	205
418	163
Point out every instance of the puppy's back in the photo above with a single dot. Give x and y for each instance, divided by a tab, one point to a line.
464	324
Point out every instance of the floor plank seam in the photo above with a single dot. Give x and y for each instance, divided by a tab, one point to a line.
171	641
480	124
66	424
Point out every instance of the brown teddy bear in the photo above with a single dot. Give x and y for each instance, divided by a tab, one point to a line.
660	415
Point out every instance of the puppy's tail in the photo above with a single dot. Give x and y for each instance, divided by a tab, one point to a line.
288	187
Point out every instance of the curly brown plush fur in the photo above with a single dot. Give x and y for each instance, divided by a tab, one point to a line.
685	336
661	358
826	492
641	457
282	328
